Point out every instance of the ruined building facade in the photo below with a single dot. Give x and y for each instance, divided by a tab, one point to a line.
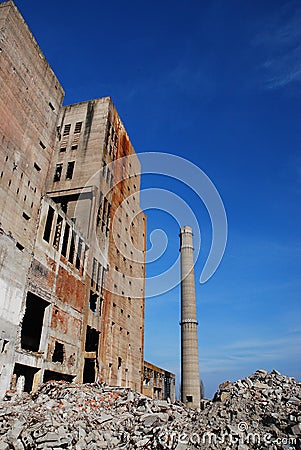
72	234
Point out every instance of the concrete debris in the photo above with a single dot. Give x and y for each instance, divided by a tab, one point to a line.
262	411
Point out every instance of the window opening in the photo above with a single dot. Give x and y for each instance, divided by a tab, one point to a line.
48	225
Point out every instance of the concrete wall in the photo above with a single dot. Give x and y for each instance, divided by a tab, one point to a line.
30	102
158	383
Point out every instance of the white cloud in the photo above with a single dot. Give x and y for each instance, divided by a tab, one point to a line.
279	39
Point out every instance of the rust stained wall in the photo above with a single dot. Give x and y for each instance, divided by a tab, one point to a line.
30	148
124	328
70	290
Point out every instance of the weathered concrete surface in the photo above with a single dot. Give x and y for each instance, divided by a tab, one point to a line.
30	101
190	373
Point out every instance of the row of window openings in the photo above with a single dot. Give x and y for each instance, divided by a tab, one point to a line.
73	147
18	191
97	276
76	247
118	252
67	128
123	275
35	165
120	328
103	216
69	171
121	311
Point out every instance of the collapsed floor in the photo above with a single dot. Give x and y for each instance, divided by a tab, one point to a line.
262	411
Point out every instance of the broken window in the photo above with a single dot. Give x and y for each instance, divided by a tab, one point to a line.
78	127
65	239
67	130
58	354
28	373
58	172
89	371
70	169
94	265
100	306
92	338
33	322
48	225
58	231
79	253
98	277
93	301
72	247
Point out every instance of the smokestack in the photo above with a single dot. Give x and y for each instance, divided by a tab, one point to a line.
190	372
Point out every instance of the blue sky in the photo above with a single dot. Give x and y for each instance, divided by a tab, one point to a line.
219	84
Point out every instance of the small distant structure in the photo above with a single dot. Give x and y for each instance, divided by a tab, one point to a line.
158	383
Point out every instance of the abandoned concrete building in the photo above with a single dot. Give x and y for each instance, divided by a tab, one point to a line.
72	234
158	383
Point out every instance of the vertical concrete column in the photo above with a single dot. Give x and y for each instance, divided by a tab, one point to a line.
190	372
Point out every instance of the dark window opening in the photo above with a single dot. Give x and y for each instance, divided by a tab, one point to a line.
89	371
70	169
33	322
58	172
48	225
72	248
98	277
79	253
63	149
51	106
74	147
189	398
37	167
93	301
100	306
119	362
94	265
19	246
64	206
78	127
67	130
28	373
49	375
25	216
65	240
58	231
92	338
58	354
42	145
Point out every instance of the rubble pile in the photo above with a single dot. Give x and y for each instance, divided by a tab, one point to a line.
262	411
